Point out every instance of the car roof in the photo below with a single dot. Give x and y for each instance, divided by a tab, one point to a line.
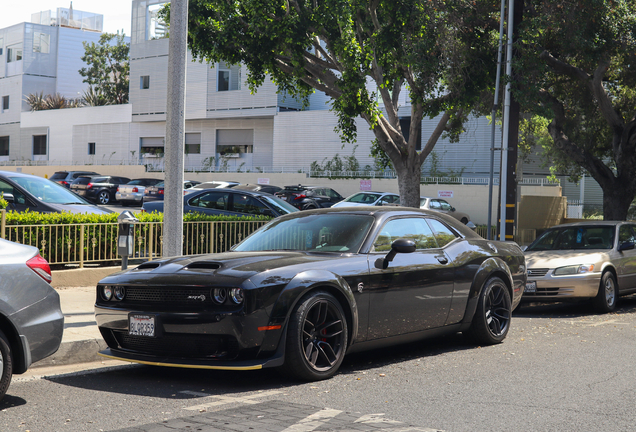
591	223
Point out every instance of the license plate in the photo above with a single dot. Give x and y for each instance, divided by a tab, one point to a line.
141	325
531	287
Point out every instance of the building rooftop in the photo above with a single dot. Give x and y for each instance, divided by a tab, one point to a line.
69	17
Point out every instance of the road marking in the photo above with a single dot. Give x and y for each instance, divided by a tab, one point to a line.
375	418
224	400
313	421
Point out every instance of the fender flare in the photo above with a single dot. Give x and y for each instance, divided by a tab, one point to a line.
311	280
492	266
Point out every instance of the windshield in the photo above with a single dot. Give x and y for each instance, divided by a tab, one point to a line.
48	191
575	237
363	198
279	205
313	233
59	176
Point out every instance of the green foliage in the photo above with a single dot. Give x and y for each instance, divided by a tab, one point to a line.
337	164
38	102
442	52
3	202
95	97
108	67
435	170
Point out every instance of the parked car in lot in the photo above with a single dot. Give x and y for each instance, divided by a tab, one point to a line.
99	189
32	322
155	193
594	260
443	206
228	202
309	197
65	178
270	189
28	192
133	191
369	199
309	287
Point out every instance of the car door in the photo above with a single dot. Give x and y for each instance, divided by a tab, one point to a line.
625	260
212	202
415	291
20	200
248	205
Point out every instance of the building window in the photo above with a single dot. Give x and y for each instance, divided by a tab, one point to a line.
144	82
152	146
41	43
5	103
14	53
228	77
4	146
157	28
1	45
39	145
91	148
192	143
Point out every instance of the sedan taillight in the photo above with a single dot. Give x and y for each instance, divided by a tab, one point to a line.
299	196
41	267
90	185
160	191
135	189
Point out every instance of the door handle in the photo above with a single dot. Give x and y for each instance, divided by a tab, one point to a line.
442	259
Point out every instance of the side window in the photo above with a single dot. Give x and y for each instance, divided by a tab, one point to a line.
211	200
415	229
248	204
18	197
625	234
434	204
332	193
444	205
443	234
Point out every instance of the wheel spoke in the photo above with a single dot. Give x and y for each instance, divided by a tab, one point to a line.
327	352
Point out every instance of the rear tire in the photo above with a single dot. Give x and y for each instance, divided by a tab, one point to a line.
316	337
103	197
607	297
491	322
6	365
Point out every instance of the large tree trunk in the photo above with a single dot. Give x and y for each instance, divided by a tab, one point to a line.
409	176
616	202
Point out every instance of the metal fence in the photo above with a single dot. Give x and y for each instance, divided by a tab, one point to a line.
97	242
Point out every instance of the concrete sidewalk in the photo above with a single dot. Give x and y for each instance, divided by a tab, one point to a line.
81	339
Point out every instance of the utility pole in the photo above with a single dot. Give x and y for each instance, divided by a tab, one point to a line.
175	130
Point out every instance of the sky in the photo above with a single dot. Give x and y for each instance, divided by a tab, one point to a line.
116	12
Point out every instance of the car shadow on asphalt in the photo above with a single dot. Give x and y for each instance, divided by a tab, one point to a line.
571	309
179	383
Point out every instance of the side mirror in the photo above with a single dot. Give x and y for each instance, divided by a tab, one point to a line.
398	246
452	209
8	197
626	246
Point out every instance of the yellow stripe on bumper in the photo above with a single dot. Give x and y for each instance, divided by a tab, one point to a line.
183	366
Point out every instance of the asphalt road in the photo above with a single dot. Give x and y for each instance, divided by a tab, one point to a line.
562	368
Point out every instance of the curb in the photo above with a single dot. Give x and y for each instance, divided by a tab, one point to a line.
74	352
81	277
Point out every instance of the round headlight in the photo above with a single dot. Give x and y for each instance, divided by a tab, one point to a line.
236	294
120	292
219	295
107	292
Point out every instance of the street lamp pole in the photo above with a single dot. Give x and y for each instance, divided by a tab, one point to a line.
175	130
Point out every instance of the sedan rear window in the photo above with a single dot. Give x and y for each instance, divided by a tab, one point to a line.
575	237
59	176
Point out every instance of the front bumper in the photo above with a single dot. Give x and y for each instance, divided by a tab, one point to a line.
204	339
556	288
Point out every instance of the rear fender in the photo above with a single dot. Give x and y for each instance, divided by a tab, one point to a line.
490	267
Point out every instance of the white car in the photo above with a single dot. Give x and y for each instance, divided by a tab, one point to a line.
133	191
369	199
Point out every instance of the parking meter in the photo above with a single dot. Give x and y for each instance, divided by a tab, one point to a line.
126	237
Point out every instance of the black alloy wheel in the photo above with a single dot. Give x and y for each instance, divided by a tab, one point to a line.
492	318
316	338
103	197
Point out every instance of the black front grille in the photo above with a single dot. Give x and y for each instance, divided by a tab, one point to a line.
543	292
169	295
537	272
179	345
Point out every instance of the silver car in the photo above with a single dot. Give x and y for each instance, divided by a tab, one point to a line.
31	323
595	260
369	199
443	206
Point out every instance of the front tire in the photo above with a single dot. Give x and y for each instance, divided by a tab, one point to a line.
103	197
316	337
492	318
6	365
607	297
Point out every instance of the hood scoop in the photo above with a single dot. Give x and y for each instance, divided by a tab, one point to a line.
203	265
147	266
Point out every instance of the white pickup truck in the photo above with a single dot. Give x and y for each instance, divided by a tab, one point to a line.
133	191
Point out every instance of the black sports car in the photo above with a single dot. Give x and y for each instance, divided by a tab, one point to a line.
309	287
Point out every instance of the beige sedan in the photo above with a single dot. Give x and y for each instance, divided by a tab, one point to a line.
595	260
